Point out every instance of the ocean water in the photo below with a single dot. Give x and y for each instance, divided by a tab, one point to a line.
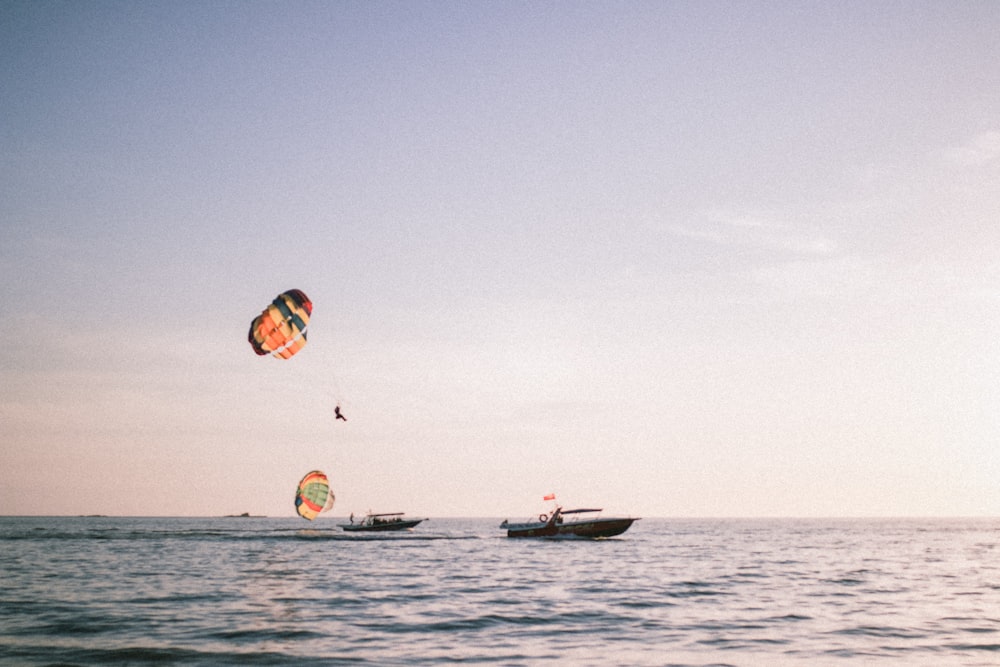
269	591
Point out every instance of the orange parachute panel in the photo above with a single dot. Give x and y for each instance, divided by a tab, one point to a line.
280	330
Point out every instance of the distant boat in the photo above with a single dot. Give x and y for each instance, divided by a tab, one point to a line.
381	522
570	523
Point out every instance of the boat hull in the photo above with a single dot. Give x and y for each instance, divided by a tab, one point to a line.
380	527
539	530
588	529
595	528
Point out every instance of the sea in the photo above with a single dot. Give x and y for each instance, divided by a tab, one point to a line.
281	591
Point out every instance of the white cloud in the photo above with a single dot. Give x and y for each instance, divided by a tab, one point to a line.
981	150
738	220
729	228
846	277
884	281
699	234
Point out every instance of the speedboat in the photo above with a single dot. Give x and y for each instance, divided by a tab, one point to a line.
570	523
381	522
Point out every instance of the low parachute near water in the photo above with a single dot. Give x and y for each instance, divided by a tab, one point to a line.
280	330
314	495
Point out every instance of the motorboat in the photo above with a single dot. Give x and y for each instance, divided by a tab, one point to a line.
381	522
583	523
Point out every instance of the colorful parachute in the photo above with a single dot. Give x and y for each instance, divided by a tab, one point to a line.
281	328
313	495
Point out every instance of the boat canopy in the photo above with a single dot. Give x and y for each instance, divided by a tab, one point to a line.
580	511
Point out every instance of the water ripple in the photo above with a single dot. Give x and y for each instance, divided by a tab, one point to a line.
89	591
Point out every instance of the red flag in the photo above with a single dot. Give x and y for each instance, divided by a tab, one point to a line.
551	496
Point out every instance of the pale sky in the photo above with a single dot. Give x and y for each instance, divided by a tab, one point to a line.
670	258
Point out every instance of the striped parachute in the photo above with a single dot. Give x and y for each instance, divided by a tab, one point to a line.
313	495
280	329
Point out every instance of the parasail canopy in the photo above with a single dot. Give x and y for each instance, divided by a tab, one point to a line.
313	495
280	330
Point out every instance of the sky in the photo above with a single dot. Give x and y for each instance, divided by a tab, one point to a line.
673	259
